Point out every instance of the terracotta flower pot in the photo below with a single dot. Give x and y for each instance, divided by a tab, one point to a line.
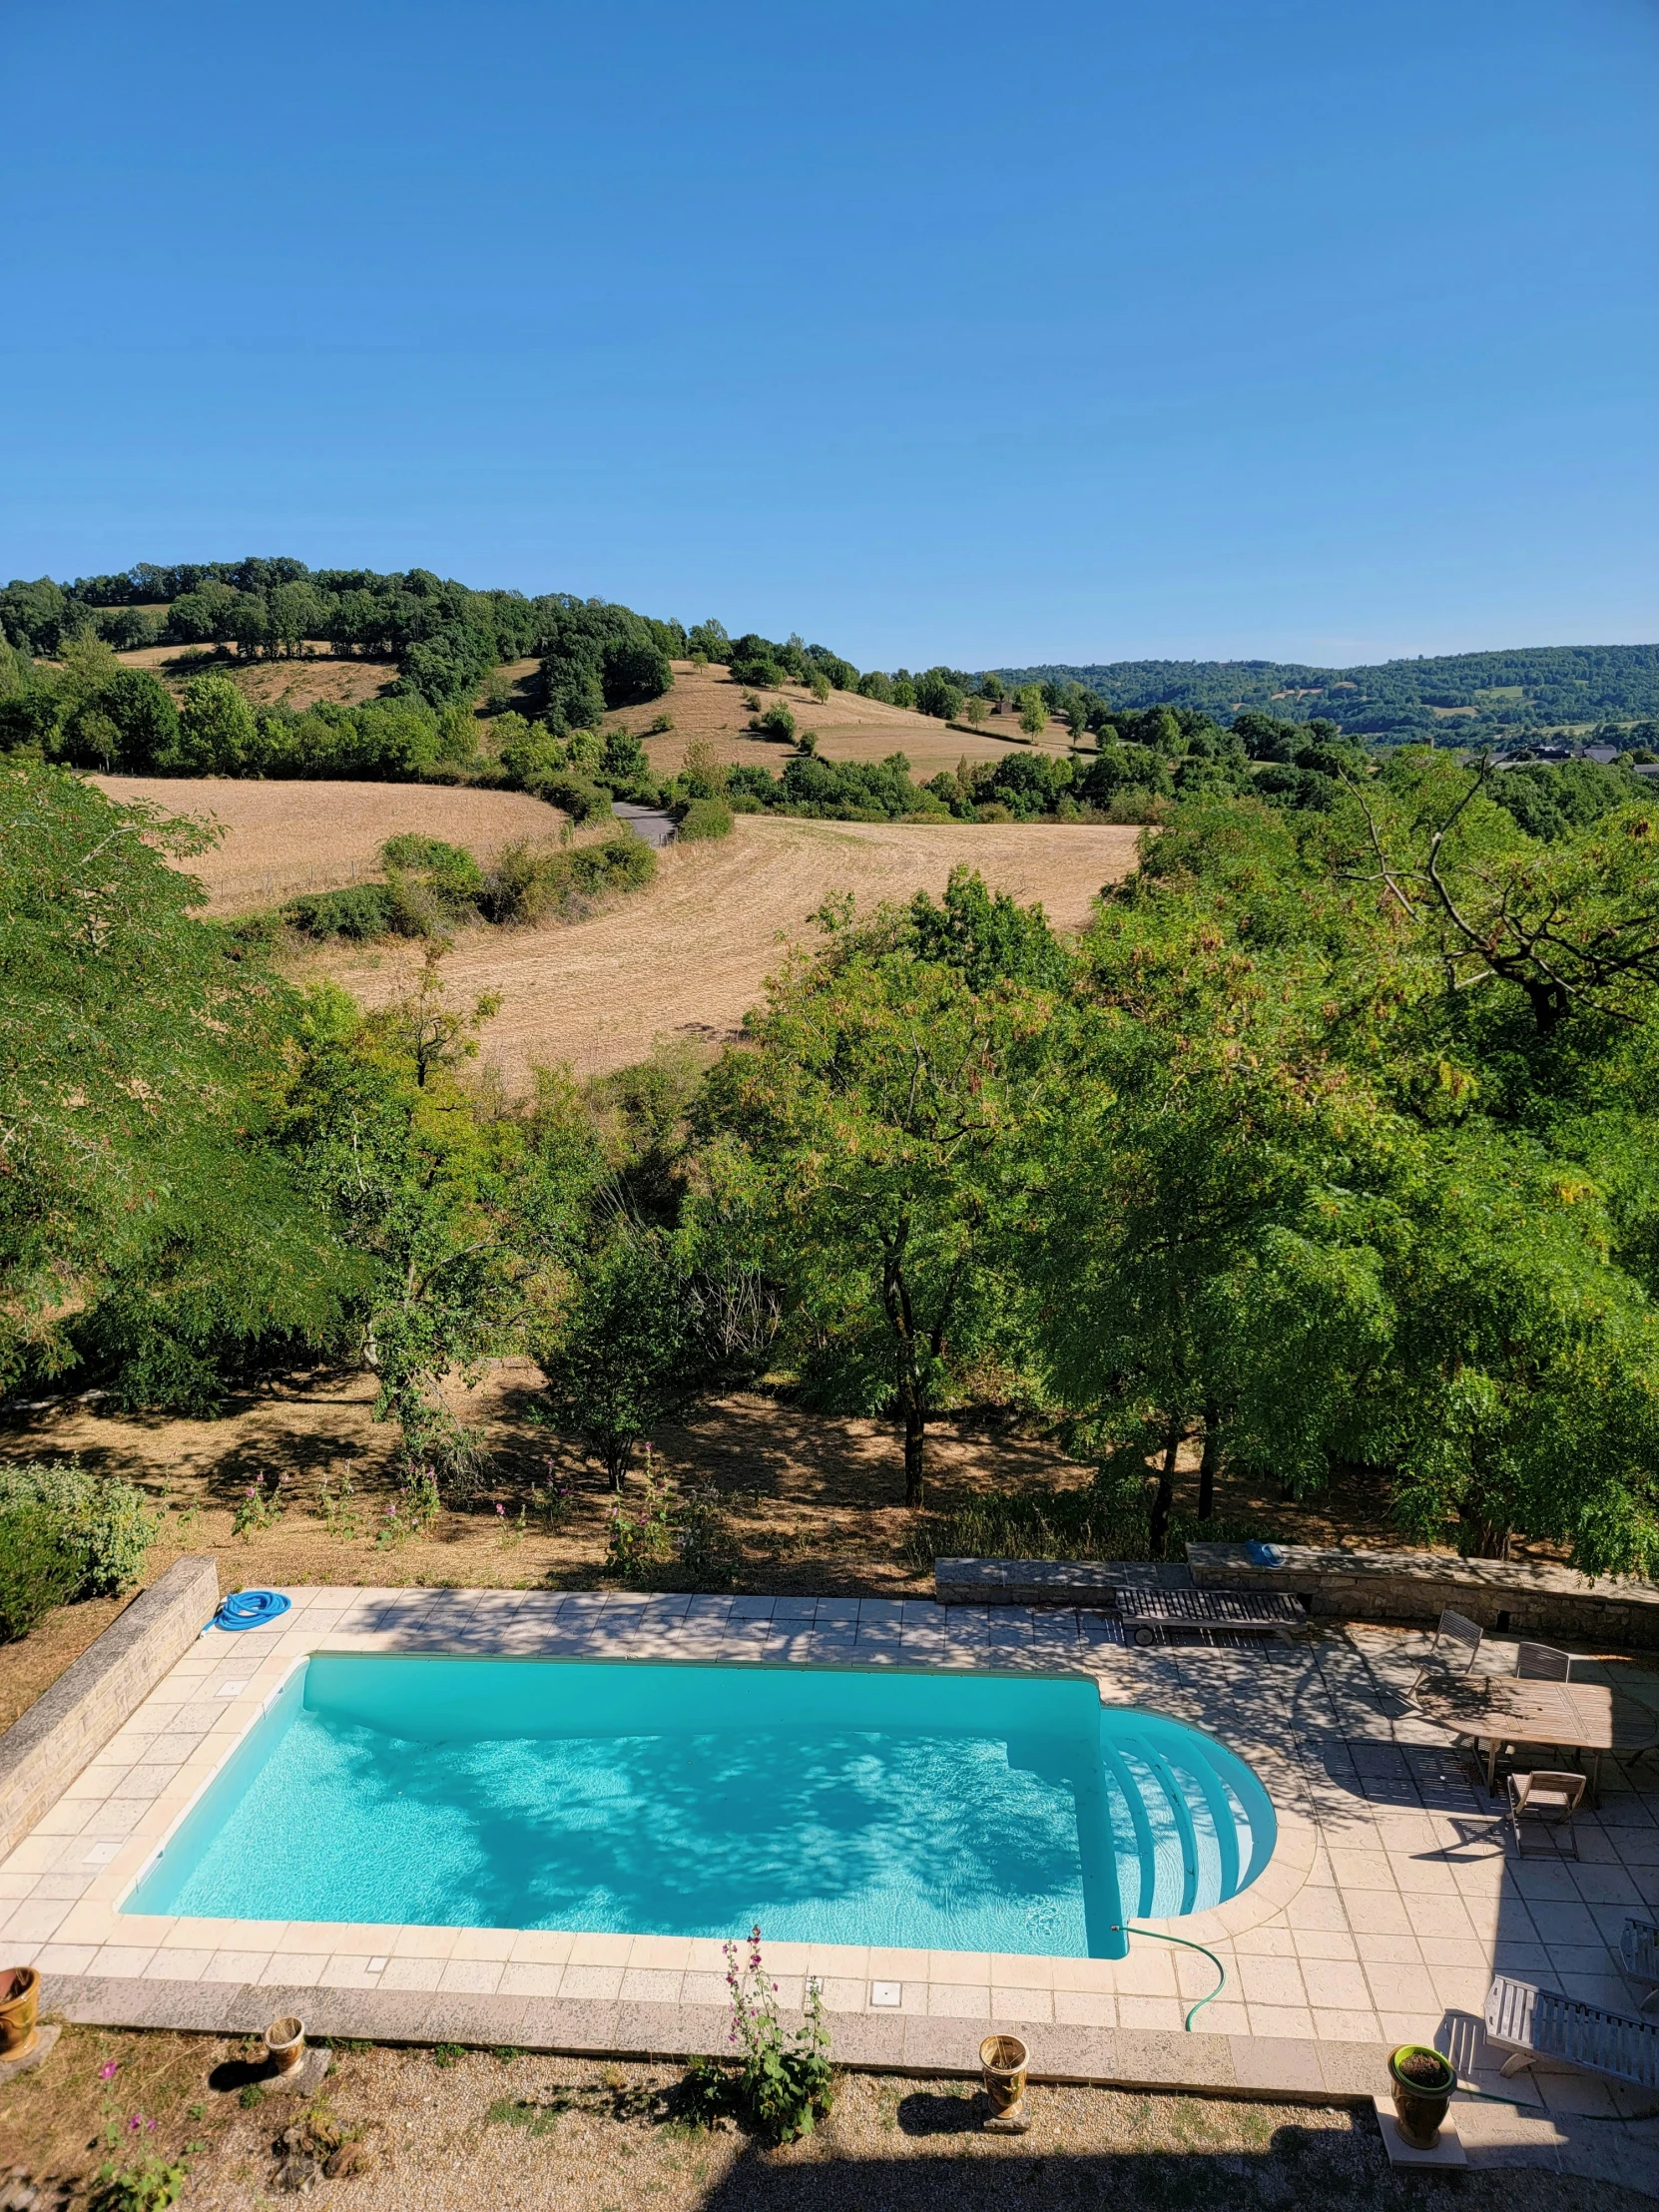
18	2005
286	2042
1422	2082
1002	2063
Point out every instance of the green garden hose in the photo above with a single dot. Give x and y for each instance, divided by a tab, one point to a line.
1186	1943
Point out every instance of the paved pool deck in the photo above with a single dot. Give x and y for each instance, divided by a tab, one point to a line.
1390	1900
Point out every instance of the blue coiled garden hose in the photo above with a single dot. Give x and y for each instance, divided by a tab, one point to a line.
250	1609
1187	1943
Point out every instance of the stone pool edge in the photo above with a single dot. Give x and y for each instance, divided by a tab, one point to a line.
93	1941
1271	2068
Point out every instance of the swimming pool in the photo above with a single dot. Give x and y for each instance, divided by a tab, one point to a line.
944	1812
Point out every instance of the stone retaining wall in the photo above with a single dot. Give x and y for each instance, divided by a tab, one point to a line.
1507	1598
66	1728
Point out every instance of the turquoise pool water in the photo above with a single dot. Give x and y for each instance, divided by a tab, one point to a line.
945	1812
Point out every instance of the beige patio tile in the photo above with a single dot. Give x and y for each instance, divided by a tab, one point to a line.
697	1987
1271	1982
592	1984
1336	1985
123	1959
1092	1975
1362	1869
348	1969
1148	1971
672	1953
1439	1915
1456	1951
1325	1942
520	1978
409	1941
235	1966
1380	1911
662	1984
962	2001
1463	1988
1386	1949
1221	2018
1279	2019
1399	1989
482	1942
1085	2008
1414	1878
180	1965
840	1993
1151	2013
414	1974
1409	2027
470	1976
892	1965
64	1958
601	1950
1358	2026
1316	1909
1021	2004
541	1946
1273	1939
300	1969
962	1966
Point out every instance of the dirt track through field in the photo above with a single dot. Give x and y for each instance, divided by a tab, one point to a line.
688	956
285	838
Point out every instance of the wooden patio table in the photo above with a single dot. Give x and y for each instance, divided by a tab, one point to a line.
1498	1710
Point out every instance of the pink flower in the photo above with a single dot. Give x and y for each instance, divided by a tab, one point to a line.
110	2068
500	1508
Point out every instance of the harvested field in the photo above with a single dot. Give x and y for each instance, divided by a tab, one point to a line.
282	839
687	956
705	702
321	673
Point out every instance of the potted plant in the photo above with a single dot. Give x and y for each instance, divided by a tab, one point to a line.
1422	2081
19	2003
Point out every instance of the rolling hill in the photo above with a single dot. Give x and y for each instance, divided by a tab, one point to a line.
1459	697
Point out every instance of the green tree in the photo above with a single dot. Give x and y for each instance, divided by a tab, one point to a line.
863	1136
217	734
134	1051
620	1352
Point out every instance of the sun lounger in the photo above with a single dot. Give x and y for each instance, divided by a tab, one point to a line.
1639	1953
1533	2024
1148	1614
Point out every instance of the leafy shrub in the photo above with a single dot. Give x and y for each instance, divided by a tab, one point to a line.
150	2187
529	882
760	674
581	800
776	722
361	911
749	789
104	1520
38	1567
703	817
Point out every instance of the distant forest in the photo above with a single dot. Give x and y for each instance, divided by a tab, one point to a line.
1531	688
446	639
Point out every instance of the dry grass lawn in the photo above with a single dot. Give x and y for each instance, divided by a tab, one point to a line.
448	2130
687	956
282	837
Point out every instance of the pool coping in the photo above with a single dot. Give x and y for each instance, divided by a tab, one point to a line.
1270	2068
94	1939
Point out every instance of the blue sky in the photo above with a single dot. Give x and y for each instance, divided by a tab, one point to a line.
968	332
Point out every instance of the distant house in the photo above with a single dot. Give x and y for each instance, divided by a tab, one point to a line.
1606	755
